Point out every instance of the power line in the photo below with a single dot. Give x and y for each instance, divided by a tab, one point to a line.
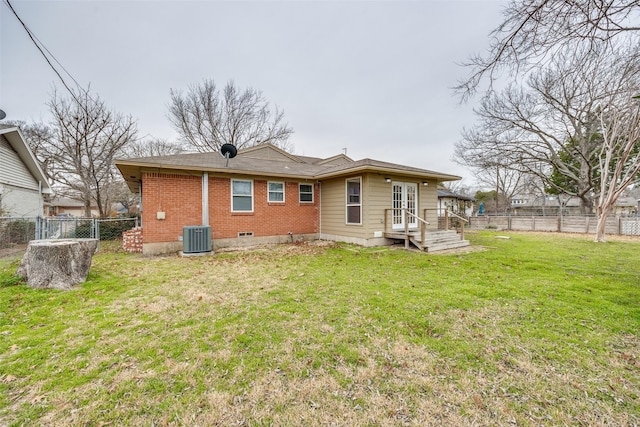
40	46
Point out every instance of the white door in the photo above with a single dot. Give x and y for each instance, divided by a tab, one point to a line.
404	196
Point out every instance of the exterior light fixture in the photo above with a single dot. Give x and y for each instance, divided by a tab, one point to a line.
387	179
425	183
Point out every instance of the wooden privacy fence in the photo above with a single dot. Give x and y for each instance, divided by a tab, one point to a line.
629	226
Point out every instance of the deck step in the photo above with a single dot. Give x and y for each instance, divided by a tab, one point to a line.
434	240
450	245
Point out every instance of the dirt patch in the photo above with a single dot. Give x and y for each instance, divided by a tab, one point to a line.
15	251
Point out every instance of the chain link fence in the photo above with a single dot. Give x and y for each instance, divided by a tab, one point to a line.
16	231
19	230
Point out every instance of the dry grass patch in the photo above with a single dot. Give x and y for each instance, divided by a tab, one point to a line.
527	333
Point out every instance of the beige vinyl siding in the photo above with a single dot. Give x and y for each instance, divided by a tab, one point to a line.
376	199
333	211
13	172
379	199
428	199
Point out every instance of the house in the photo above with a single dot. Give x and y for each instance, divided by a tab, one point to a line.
456	203
545	205
65	206
265	195
23	185
626	206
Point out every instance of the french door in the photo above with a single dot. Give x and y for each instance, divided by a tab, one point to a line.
404	196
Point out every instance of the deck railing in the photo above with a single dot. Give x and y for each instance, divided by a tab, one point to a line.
459	219
441	220
423	224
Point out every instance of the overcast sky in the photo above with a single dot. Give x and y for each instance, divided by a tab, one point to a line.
373	77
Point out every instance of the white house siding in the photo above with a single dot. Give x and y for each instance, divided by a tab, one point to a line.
20	202
12	170
19	190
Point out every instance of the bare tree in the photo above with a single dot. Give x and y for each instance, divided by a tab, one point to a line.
552	123
619	156
120	193
506	181
533	31
207	119
153	147
86	137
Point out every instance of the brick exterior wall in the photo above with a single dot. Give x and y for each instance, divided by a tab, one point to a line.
267	219
180	198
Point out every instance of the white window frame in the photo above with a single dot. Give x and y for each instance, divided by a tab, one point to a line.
241	195
300	192
269	191
349	204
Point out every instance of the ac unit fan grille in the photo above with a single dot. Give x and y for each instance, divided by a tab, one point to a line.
196	239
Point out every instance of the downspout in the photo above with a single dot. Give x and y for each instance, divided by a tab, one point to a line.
319	210
38	232
139	204
42	213
205	198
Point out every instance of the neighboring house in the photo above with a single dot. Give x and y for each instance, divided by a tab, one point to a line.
456	203
626	206
528	204
23	186
549	205
268	195
64	206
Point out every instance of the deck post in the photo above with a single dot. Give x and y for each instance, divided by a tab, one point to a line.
446	219
406	228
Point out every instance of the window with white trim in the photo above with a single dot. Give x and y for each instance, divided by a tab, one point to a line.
241	196
275	191
306	193
354	201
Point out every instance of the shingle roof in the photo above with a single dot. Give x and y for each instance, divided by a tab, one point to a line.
254	163
447	193
17	141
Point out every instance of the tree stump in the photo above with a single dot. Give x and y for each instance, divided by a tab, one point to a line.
57	264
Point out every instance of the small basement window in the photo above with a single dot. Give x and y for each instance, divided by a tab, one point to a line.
245	234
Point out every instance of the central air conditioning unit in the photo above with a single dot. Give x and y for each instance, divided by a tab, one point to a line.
196	239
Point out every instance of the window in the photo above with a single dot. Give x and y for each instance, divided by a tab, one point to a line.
241	196
354	201
306	193
276	192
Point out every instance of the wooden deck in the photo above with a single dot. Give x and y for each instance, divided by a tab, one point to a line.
428	240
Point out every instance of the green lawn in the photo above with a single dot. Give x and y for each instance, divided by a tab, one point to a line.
538	329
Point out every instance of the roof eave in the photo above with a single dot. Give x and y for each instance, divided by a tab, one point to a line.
17	141
389	170
216	170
